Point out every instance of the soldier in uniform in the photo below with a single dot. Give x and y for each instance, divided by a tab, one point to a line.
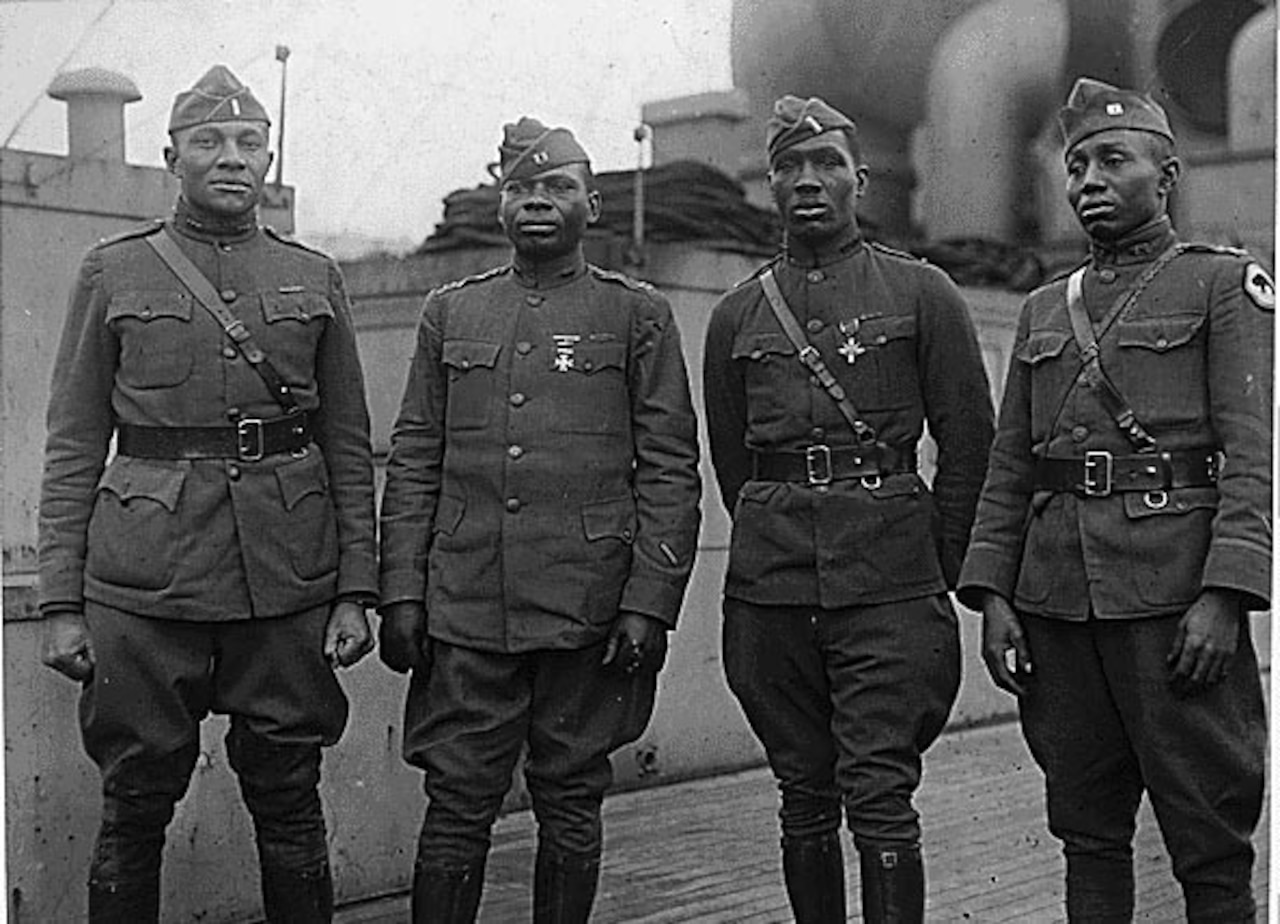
222	559
1124	528
840	642
538	528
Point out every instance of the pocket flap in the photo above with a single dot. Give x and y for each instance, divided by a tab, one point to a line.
879	331
611	519
300	477
463	354
757	345
1043	344
1159	334
592	357
147	306
1179	501
449	511
128	478
901	485
294	306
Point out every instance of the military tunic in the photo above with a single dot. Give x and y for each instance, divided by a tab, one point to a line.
915	357
543	471
205	539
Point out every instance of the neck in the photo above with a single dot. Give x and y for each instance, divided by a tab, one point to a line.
544	273
202	224
1143	242
817	253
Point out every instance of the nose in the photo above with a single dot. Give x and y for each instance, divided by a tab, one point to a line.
1092	177
230	154
807	178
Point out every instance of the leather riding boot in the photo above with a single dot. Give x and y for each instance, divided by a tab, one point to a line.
892	885
292	897
564	887
124	902
813	868
1099	889
447	895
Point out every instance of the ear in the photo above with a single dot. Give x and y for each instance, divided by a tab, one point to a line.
861	174
594	204
1170	172
171	160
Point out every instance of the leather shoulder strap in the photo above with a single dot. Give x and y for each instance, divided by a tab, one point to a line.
812	359
199	285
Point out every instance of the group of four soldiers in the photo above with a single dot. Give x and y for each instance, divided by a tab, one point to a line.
540	520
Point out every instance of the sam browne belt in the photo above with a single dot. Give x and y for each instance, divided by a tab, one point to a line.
250	440
821	464
1099	473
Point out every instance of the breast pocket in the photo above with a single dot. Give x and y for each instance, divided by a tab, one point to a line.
884	374
770	370
155	334
591	394
471	368
1050	376
1162	369
293	323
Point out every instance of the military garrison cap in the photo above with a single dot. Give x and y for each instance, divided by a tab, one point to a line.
795	120
529	147
216	97
1094	106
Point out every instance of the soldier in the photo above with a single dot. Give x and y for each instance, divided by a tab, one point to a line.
538	528
839	639
222	559
1124	528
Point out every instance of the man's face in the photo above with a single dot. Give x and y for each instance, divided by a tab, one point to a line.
1116	182
546	215
816	185
222	165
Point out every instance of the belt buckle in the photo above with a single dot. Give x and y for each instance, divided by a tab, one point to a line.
1098	467
251	442
817	464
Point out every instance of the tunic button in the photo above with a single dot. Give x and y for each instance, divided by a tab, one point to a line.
815	276
1079	432
588	365
757	353
813	325
233	413
1107	275
465	364
1162	342
818	433
626	534
534	300
517	399
523	347
229	352
515	452
228	295
146	312
882	339
513	504
233	472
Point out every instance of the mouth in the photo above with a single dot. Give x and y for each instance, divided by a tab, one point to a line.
809	211
233	187
538	228
1094	210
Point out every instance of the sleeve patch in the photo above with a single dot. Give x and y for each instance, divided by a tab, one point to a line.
1259	287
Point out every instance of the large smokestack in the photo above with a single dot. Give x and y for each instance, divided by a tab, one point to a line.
95	100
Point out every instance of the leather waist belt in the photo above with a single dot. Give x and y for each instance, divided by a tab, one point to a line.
250	440
1099	473
821	464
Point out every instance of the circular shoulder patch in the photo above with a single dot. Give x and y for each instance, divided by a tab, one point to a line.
1259	287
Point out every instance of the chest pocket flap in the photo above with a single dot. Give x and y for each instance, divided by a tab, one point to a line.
466	354
130	478
880	331
1159	334
757	345
294	306
1043	344
148	306
592	357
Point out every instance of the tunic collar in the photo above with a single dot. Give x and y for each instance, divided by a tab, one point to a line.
547	274
1141	245
202	225
841	248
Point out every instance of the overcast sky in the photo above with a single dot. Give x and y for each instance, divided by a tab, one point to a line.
391	104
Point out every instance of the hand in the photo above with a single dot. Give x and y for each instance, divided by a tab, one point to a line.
1004	647
1208	634
401	635
636	641
68	649
347	638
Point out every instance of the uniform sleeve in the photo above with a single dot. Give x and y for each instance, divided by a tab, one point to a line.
1240	354
667	484
957	399
724	394
995	547
342	433
80	424
414	468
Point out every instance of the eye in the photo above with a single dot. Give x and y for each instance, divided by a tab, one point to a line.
515	188
562	187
